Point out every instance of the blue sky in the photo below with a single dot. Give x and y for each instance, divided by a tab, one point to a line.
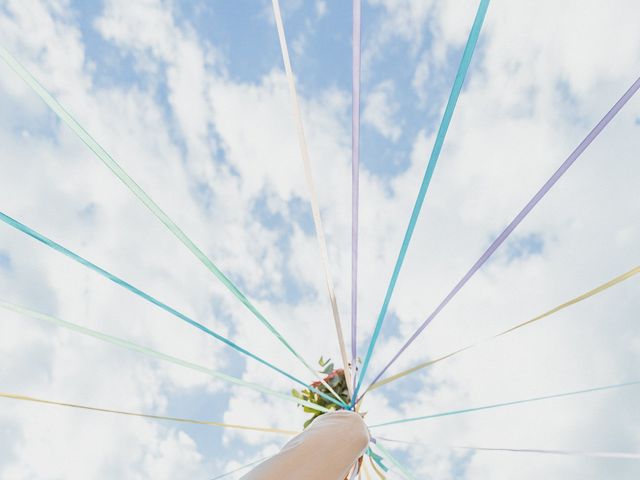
191	99
241	30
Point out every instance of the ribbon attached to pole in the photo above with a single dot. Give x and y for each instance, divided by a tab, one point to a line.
377	459
506	404
59	248
153	353
403	470
144	415
365	469
591	136
377	468
355	179
573	301
231	472
315	206
433	160
571	453
124	177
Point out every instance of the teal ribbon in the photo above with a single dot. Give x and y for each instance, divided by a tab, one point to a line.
59	248
433	160
404	470
124	177
378	459
506	404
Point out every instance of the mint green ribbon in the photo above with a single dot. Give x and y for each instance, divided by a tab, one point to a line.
56	246
404	470
103	155
152	353
235	470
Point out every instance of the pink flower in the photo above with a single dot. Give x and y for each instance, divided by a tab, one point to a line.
338	372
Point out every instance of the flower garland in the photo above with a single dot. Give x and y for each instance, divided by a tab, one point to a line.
336	379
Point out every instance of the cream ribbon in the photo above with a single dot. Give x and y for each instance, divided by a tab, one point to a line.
144	415
315	207
573	301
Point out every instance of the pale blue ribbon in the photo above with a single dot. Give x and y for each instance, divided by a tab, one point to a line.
56	246
506	404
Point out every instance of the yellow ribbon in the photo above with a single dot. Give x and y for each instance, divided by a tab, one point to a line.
365	468
144	415
573	301
124	177
376	469
154	353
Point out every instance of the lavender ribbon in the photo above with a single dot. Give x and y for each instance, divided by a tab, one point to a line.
516	221
355	182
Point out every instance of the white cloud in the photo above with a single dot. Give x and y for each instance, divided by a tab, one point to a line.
513	127
321	8
404	18
381	109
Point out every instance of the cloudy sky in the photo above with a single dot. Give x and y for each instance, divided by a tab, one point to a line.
191	99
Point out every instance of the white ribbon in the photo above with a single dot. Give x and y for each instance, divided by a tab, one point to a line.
315	207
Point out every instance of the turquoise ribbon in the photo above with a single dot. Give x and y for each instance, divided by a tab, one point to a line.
155	209
378	459
59	248
404	470
433	160
506	404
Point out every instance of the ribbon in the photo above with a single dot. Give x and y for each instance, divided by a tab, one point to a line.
519	217
573	301
315	207
620	455
365	469
124	177
377	459
506	404
41	238
376	468
153	353
231	472
354	472
435	154
405	472
573	453
355	178
144	415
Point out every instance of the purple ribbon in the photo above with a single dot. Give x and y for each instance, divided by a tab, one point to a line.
516	221
355	181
